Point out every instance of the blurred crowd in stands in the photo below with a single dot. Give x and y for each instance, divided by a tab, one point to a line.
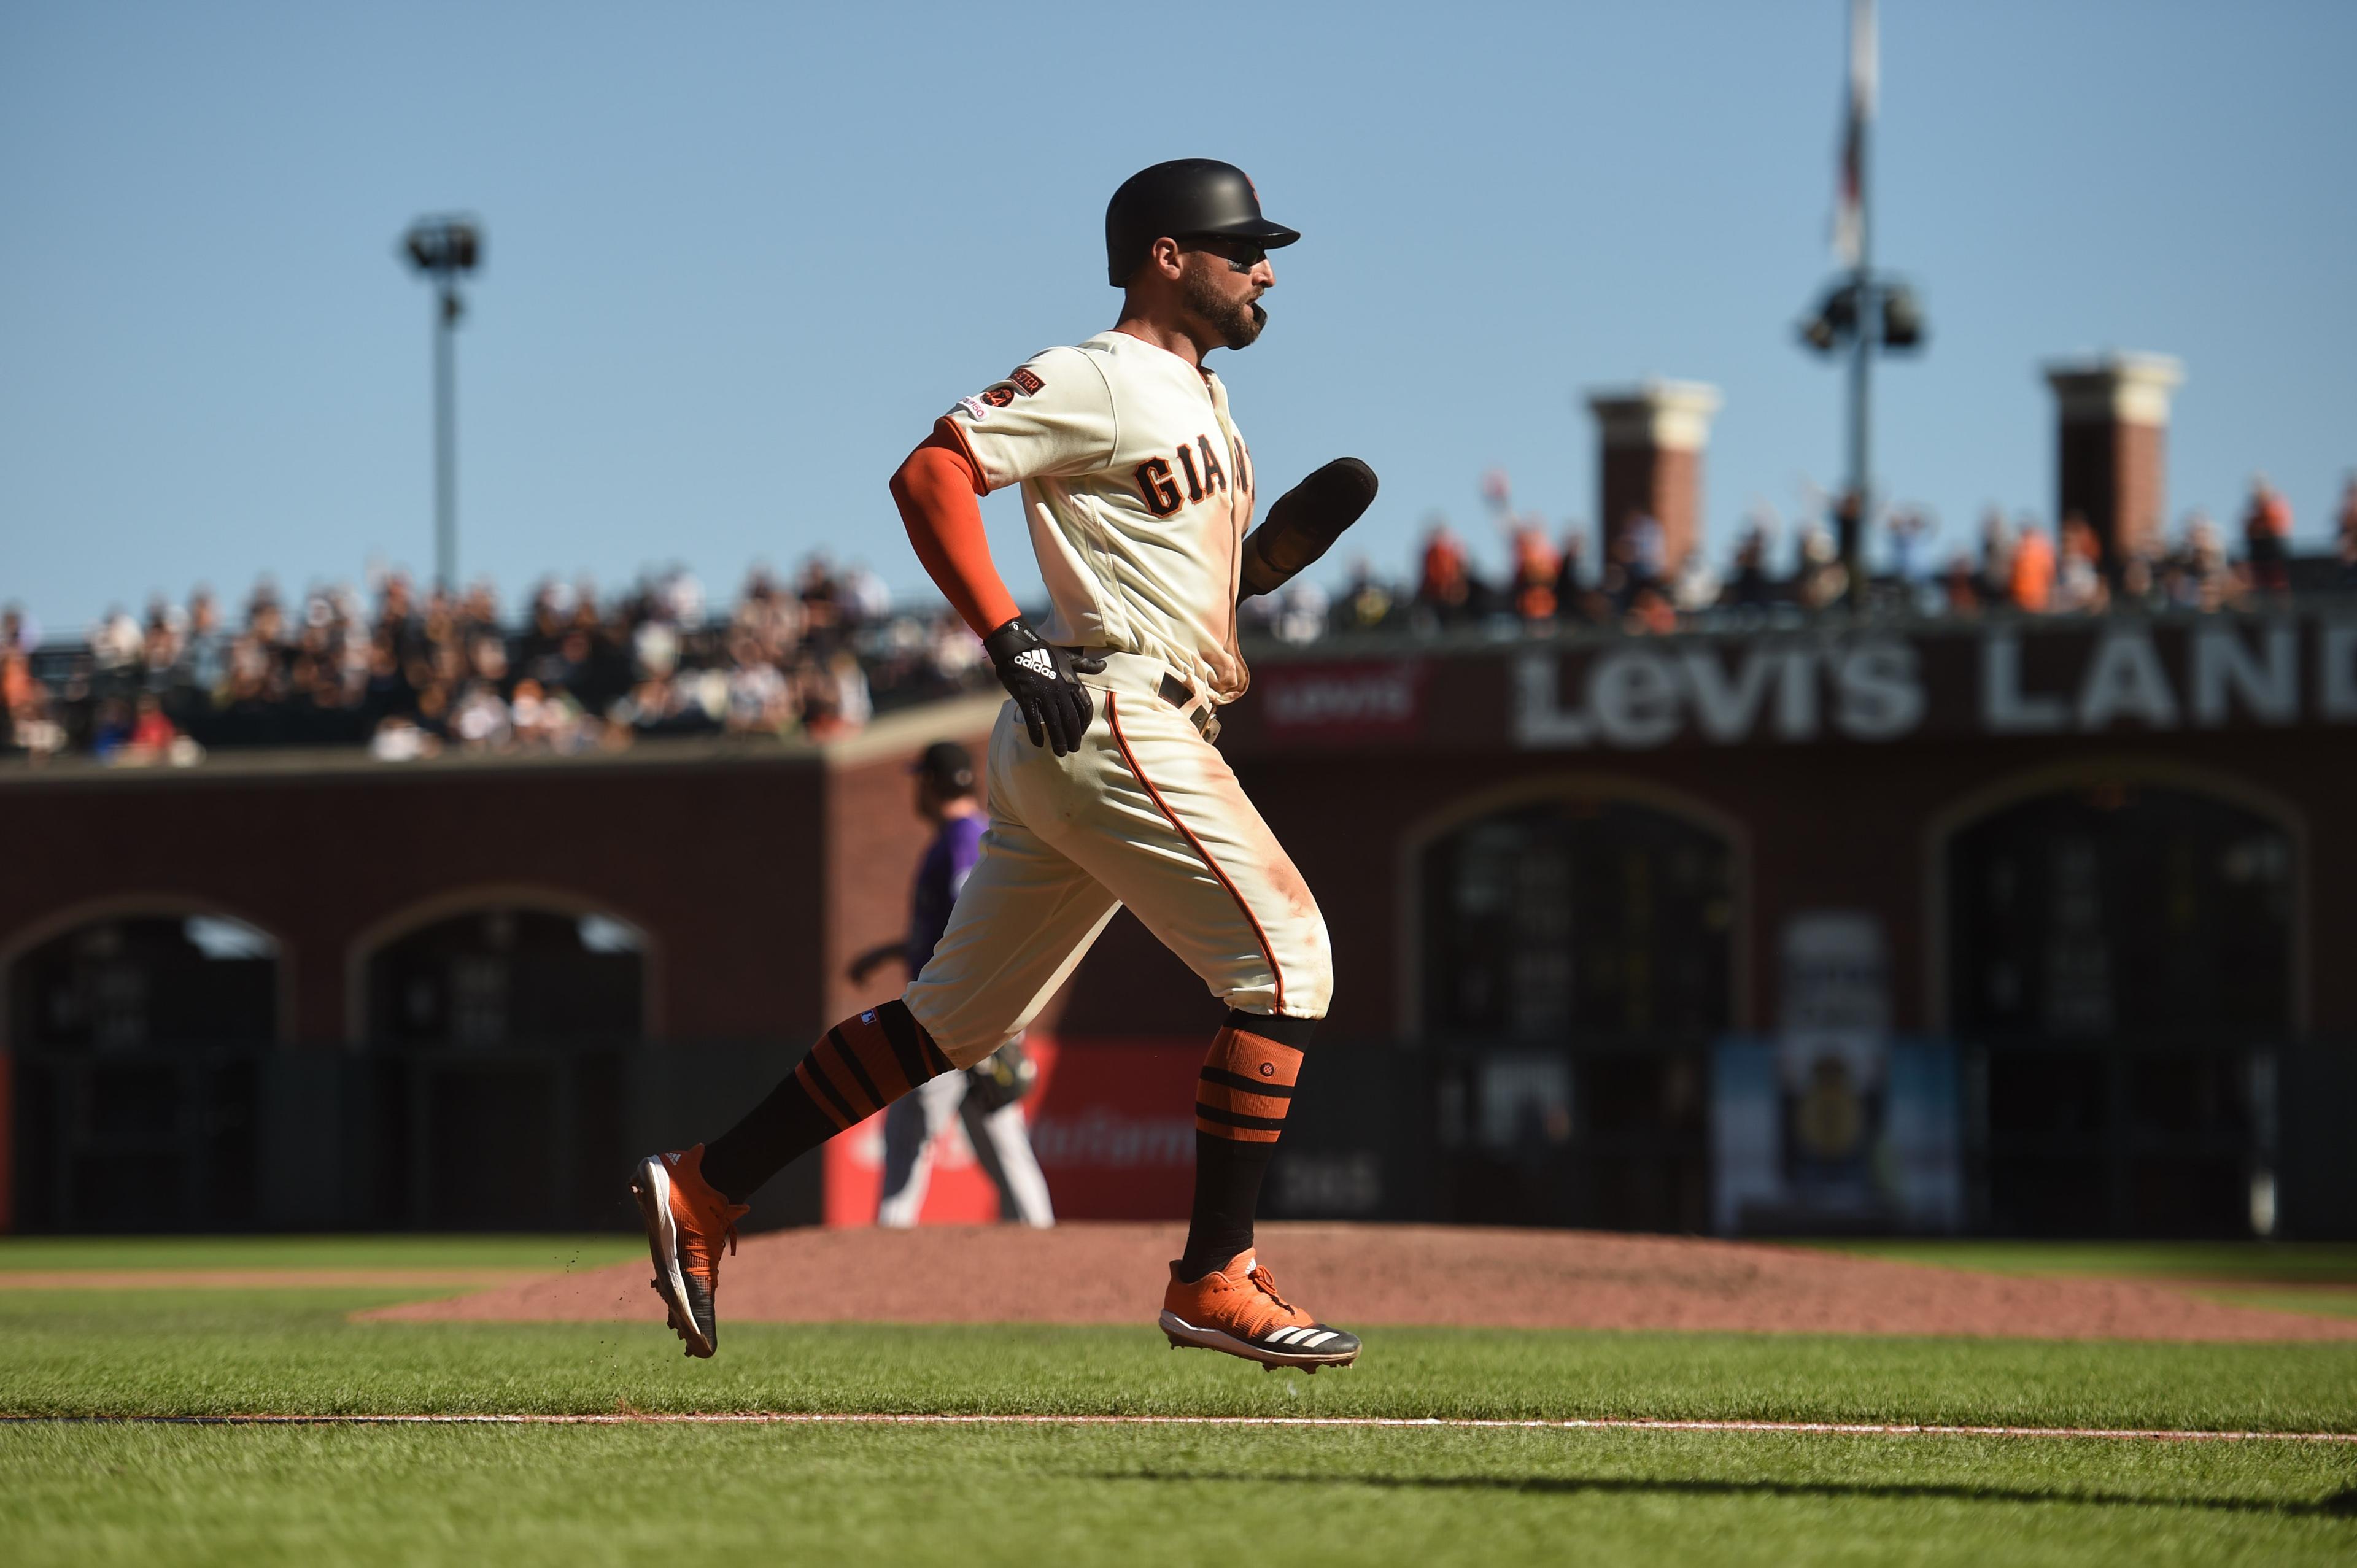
2014	566
414	673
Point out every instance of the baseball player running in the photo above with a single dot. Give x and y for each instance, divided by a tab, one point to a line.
988	1096
1106	787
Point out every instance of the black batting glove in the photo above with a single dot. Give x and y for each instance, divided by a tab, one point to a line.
1056	708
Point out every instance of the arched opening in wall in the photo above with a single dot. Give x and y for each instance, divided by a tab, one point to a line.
1577	953
2121	958
503	1035
508	975
1578	919
138	1041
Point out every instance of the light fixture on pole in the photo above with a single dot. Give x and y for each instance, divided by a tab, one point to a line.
1864	312
445	248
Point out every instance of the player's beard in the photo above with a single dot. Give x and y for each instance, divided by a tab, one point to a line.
1237	321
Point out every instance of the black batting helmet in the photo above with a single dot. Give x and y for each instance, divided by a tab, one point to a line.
1184	198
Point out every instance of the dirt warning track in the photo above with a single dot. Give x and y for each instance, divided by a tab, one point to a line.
1355	1275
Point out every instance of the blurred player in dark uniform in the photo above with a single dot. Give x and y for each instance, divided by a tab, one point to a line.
988	1096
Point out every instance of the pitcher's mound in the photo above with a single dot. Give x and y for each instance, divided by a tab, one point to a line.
1358	1275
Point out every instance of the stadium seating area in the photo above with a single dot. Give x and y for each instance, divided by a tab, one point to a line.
2013	566
414	673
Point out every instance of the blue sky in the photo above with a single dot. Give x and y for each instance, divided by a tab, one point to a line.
740	256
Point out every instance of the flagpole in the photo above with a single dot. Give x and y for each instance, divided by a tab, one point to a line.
1868	339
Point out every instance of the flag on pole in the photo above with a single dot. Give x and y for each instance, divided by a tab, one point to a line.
1850	197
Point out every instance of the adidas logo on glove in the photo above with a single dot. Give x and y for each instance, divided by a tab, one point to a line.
1036	660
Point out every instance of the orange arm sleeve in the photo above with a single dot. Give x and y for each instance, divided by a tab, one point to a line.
937	490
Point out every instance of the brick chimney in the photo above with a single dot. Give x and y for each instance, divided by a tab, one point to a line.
2111	446
1649	459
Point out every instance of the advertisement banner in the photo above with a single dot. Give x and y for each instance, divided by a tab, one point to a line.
1832	1125
2118	674
1112	1121
1342	704
1831	1152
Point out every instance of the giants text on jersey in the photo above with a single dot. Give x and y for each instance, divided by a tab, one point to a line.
1137	491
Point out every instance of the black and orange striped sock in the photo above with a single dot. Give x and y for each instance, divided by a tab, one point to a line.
1240	1097
861	1066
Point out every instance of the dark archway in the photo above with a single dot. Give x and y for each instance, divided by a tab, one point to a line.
1578	919
131	981
2121	959
1577	955
508	975
138	1040
501	1037
2122	909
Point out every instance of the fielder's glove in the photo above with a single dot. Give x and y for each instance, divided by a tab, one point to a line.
1056	708
1303	524
1002	1078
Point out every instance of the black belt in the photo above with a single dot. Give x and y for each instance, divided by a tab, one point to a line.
1180	695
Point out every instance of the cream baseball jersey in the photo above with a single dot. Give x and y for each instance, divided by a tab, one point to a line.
1137	491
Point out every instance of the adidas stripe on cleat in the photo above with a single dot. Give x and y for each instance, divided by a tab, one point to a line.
1236	1310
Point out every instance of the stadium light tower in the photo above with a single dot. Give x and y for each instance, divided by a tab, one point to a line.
1863	313
444	249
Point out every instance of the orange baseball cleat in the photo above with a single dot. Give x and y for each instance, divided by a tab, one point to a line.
687	1220
1236	1309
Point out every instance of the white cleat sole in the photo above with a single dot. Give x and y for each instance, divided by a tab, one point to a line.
1185	1335
651	1185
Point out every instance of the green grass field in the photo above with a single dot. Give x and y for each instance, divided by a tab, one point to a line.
26	1254
80	1492
2320	1277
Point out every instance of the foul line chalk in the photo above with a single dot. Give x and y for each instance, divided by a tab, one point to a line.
1438	1424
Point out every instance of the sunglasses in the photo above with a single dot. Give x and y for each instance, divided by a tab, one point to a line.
1242	256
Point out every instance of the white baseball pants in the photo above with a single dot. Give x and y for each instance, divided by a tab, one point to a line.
1147	813
913	1128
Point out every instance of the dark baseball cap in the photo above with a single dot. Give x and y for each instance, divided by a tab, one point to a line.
945	763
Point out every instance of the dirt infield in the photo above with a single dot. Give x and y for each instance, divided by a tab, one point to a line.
1358	1275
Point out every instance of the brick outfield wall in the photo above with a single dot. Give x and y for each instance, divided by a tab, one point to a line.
752	873
1847	831
757	875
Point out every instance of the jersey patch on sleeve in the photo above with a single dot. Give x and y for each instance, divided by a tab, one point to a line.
999	396
974	406
1026	381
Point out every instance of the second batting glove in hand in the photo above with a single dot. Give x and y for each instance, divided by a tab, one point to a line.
1056	708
